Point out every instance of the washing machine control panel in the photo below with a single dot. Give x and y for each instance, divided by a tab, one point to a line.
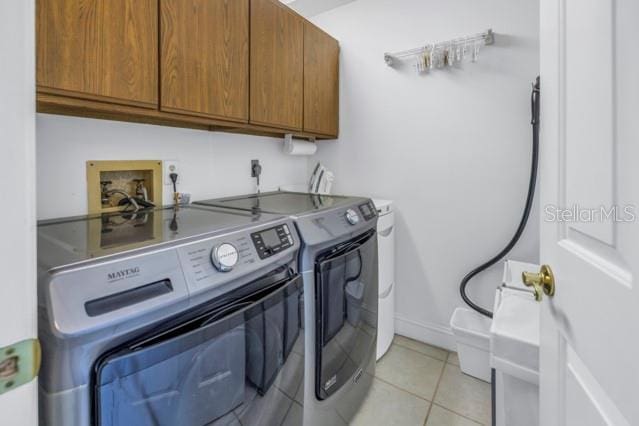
213	264
352	217
271	241
225	257
368	211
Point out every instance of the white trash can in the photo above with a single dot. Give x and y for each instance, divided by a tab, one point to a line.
472	333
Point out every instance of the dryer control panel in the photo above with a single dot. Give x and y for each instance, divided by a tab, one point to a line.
272	240
368	210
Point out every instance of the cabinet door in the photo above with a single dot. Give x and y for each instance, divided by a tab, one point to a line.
277	66
99	49
205	57
321	82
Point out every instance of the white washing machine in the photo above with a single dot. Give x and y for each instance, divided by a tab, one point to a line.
386	250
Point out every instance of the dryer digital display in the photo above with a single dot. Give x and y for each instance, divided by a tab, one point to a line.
270	238
367	211
272	241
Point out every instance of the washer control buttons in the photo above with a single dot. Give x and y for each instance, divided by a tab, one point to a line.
225	257
352	217
269	242
368	210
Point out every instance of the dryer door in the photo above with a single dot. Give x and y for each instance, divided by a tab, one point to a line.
346	285
241	362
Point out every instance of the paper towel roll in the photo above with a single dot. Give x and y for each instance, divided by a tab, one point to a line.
293	147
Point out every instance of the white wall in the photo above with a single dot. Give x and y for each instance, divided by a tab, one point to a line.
17	186
452	148
212	164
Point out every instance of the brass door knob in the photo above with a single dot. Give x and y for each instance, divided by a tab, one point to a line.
542	281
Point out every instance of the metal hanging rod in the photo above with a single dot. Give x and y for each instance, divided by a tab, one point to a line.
442	49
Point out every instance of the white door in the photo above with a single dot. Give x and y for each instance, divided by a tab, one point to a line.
17	198
590	160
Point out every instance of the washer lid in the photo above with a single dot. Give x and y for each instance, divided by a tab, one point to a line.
63	242
280	202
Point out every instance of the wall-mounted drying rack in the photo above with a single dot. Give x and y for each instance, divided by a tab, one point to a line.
444	53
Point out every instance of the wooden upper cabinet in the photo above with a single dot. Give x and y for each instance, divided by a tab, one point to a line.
321	82
99	49
205	58
252	66
277	65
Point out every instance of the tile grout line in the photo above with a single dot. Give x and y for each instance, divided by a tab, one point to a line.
430	407
434	393
458	414
422	353
445	362
427	400
403	390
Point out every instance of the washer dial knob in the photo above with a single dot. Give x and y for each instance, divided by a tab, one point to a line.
224	257
352	217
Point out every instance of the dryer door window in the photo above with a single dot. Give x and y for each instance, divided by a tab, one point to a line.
346	285
239	363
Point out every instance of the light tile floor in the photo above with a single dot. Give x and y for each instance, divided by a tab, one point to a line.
417	384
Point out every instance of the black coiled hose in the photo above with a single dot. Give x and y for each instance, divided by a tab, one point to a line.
534	106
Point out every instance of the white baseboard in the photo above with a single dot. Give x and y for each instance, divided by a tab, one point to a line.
432	334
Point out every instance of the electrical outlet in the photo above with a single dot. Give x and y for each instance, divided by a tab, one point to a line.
256	168
171	166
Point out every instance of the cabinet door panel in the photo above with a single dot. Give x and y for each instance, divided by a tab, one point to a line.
321	82
99	49
204	50
277	65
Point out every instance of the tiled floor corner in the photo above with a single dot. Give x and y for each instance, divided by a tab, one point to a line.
388	405
418	384
411	371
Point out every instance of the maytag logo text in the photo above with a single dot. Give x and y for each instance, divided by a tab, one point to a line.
123	274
